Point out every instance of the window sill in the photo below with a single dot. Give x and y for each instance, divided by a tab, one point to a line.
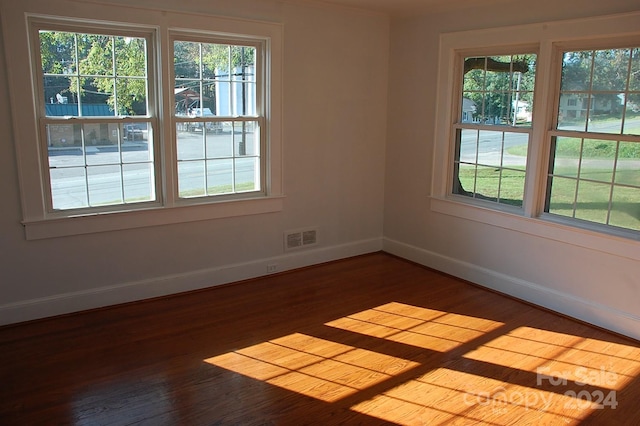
623	245
104	222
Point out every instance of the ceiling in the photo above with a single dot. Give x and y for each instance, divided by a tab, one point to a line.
410	7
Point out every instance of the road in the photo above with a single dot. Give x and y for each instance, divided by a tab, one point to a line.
107	183
489	147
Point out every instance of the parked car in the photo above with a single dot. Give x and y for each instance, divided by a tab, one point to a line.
210	126
132	132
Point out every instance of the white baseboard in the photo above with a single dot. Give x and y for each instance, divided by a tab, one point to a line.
155	287
567	304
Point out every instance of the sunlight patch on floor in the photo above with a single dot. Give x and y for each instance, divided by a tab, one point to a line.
420	327
314	367
529	375
563	357
445	396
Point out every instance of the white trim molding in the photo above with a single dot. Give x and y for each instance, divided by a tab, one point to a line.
573	306
67	303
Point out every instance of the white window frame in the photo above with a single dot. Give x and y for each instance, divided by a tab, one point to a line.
38	221
459	125
548	38
259	117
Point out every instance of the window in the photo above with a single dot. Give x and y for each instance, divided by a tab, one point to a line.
217	118
143	117
594	168
97	128
538	130
495	118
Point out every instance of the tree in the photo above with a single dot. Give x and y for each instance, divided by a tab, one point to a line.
121	57
199	66
495	84
95	69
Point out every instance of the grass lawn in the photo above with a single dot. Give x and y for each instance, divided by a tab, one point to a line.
218	190
491	184
592	200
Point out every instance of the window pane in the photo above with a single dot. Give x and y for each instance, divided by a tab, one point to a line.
131	96
139	184
137	142
60	99
512	187
104	185
562	196
246	139
58	52
634	80
191	179
215	57
490	148
223	98
566	156
220	145
69	188
598	160
247	174
190	145
487	182
64	138
572	114
464	179
131	57
186	60
628	165
605	114
610	69
592	203
625	209
467	146
576	71
220	177
632	114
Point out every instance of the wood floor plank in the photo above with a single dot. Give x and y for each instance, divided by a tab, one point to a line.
368	340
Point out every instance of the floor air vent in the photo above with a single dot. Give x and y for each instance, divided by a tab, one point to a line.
300	238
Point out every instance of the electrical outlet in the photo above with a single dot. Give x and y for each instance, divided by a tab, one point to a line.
272	267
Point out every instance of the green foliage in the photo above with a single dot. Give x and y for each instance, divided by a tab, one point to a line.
194	60
604	72
95	68
495	83
112	69
491	183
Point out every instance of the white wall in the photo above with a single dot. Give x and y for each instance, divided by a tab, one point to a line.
335	88
581	282
338	66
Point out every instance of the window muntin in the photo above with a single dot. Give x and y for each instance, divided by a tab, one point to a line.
493	128
93	85
594	168
219	116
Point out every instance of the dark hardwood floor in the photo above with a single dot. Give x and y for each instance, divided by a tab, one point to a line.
368	340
